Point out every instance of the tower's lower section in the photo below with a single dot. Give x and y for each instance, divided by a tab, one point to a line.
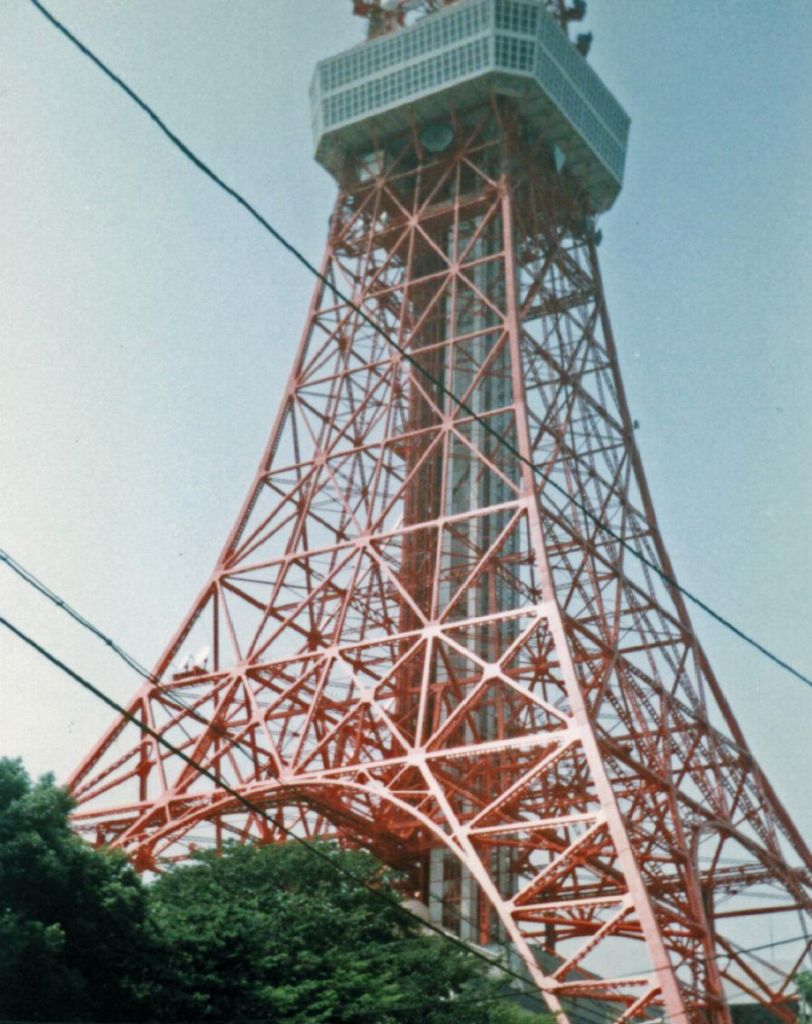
418	642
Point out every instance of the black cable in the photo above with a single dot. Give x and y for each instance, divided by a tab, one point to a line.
414	362
426	1005
170	696
315	851
461	405
256	809
488	999
28	577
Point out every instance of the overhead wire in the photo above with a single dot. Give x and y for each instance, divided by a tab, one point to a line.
28	577
256	809
409	357
442	388
596	1016
46	591
169	695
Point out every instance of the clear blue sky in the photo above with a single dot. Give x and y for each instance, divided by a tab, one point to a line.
147	325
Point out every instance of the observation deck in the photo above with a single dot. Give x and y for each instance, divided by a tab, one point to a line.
454	60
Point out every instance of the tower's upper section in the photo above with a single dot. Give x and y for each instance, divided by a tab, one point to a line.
453	60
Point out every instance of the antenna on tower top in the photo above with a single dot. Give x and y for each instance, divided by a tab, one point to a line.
388	15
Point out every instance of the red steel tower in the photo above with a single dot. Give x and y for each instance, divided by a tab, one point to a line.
443	625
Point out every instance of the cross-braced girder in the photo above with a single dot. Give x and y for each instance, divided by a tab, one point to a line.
443	625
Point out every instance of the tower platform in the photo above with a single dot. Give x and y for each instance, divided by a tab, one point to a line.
452	61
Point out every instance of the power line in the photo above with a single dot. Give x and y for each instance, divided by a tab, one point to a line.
42	588
404	1007
28	577
378	1013
256	809
315	851
441	387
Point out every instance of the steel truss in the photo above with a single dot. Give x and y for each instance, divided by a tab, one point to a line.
420	644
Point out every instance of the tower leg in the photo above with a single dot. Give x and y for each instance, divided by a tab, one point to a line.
430	630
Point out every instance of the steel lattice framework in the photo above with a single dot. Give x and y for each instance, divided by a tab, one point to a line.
419	642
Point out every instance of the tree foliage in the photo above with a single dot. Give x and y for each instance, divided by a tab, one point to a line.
273	934
70	917
277	933
803	982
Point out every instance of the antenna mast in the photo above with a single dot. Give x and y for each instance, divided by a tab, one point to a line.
388	15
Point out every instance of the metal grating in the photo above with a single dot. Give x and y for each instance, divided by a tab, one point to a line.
448	60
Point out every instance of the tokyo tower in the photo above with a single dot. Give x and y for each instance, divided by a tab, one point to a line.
444	625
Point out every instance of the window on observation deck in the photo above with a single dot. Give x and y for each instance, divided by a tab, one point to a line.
450	60
517	17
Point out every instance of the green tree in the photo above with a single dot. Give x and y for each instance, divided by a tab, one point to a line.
276	934
72	919
271	934
803	982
